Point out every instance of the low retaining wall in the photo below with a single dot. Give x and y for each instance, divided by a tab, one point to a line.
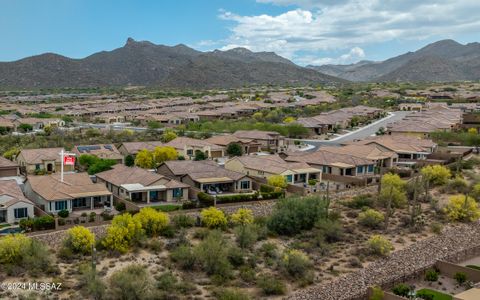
454	244
55	239
449	270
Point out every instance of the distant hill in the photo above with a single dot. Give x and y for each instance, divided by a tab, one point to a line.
146	64
444	60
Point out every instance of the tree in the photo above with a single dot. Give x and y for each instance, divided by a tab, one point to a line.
152	221
168	136
131	282
296	263
25	127
392	194
90	282
94	164
48	129
234	149
123	233
472	131
154	125
129	160
288	120
212	255
144	159
436	174
242	216
80	240
11	248
277	181
200	155
162	154
213	218
462	208
11	153
371	218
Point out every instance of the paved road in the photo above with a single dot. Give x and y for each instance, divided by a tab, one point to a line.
361	133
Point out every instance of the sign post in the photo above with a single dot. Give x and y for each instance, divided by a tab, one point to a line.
67	159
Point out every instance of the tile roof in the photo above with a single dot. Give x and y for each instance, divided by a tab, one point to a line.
256	134
399	143
271	163
106	151
75	185
6	163
10	193
200	169
135	147
225	140
35	156
369	152
180	142
327	158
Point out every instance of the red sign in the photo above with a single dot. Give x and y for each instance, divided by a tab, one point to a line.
69	160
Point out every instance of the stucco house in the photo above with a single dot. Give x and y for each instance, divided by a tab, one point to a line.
46	160
13	204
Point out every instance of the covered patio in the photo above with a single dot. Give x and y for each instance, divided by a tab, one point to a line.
136	192
219	185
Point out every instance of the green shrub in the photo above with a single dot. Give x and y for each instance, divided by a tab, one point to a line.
296	264
237	198
38	223
212	255
230	294
269	250
371	218
377	293
168	207
473	267
236	256
131	282
330	229
205	199
292	215
120	206
184	257
401	289
90	282
189	205
460	277
246	236
431	275
378	245
271	286
267	188
183	221
360	201
63	213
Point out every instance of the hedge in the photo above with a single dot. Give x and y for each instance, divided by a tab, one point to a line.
208	200
38	223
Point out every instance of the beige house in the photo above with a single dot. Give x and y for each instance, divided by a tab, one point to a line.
46	160
265	166
8	168
187	147
207	176
76	192
248	145
132	148
104	151
13	204
269	140
142	186
383	158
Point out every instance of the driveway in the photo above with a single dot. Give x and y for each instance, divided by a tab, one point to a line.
360	133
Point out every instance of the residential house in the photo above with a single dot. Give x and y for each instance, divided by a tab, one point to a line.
132	148
142	186
265	166
8	168
248	145
42	160
76	192
13	204
207	176
269	140
104	151
383	158
187	147
342	170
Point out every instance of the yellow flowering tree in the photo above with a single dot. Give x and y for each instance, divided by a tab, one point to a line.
162	154
436	174
288	120
11	248
213	218
144	159
277	181
80	240
378	245
123	233
242	216
462	208
152	221
168	136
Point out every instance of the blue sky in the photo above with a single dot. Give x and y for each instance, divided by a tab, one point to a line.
306	31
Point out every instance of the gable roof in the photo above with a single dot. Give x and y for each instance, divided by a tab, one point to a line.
6	163
225	140
120	175
272	164
256	134
106	151
180	142
327	158
399	144
37	156
368	151
200	169
135	147
10	193
75	185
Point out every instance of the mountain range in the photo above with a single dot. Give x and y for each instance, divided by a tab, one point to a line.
141	63
442	61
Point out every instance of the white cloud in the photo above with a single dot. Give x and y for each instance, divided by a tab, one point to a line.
338	26
354	55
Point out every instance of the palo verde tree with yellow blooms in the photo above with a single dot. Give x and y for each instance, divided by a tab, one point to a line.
80	240
462	208
153	221
213	218
278	181
392	194
124	232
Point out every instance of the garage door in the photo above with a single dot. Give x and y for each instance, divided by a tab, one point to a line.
8	172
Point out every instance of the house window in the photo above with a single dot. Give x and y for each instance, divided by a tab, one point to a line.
261	172
80	202
190	152
245	185
289	178
370	168
177	193
60	205
37	166
360	169
20	213
324	169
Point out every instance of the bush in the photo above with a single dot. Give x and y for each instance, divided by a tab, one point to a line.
371	218
63	213
213	218
236	256
124	232
377	293
462	208
120	206
38	223
267	188
246	236
184	257
360	201
331	230
378	245
183	221
271	286
431	275
212	255
457	184
242	216
80	240
131	282
292	215
460	277
473	267
205	199
90	282
237	198
425	295
436	174
91	217
152	221
269	250
230	294
296	263
401	289
278	181
189	205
